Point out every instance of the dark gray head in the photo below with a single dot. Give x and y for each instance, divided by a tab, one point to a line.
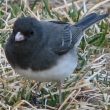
26	29
24	40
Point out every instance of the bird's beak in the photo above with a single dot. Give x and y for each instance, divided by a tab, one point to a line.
19	37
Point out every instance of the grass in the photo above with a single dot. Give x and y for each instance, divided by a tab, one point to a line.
87	88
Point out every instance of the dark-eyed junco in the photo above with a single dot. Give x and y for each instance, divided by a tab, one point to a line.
46	50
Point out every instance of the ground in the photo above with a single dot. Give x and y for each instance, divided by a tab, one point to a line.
87	88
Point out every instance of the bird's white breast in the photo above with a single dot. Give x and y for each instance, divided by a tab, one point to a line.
64	67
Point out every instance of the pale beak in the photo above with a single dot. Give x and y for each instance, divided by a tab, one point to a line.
19	37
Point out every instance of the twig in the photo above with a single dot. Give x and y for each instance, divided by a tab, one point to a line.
63	6
66	90
97	5
66	100
22	102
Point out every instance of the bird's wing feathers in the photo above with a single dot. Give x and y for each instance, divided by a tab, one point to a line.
59	22
68	39
71	35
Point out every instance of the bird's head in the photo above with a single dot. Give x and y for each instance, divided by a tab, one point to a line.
26	30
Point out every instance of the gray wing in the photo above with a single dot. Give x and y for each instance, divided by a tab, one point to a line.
69	37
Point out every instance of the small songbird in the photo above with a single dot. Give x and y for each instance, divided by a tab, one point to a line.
46	50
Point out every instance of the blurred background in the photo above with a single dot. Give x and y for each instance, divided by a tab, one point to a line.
88	88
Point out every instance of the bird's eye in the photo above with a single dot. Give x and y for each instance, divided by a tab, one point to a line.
31	32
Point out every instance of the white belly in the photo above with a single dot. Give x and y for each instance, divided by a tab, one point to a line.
65	66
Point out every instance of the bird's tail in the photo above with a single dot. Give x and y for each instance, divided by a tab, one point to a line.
90	20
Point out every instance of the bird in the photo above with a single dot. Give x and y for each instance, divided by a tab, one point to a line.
47	50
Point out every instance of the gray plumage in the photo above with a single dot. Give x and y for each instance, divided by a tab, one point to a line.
46	50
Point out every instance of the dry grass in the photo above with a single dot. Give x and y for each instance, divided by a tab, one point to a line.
88	88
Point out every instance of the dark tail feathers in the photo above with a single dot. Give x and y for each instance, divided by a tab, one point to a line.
90	20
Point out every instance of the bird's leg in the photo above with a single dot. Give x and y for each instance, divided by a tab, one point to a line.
59	88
